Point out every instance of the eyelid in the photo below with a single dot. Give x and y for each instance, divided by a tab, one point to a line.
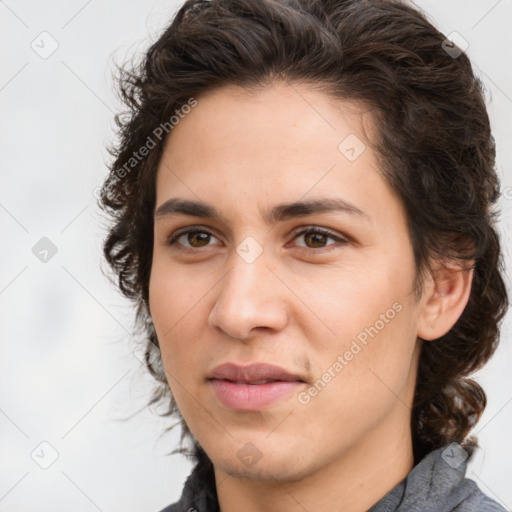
317	229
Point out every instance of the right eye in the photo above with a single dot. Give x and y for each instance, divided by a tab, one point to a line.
192	236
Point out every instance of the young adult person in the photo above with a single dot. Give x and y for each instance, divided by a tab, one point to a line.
302	209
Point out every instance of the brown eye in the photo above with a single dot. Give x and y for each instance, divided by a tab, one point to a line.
316	238
198	237
190	239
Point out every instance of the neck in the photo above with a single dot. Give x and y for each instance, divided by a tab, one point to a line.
355	480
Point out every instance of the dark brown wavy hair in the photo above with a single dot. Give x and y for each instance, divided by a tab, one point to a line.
434	145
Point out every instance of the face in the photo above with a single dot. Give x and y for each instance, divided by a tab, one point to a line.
324	294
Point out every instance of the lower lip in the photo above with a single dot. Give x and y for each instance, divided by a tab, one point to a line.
251	397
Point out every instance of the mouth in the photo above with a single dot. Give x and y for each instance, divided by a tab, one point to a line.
253	387
254	383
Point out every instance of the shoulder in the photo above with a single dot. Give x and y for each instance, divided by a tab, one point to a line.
180	506
438	483
199	492
476	500
175	507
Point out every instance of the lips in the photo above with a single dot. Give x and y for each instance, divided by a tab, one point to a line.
255	373
253	387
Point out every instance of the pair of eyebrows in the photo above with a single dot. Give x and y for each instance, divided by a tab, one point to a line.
278	213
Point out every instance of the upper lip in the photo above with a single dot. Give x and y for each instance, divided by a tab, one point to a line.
252	373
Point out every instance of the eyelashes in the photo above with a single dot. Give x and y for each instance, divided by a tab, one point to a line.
318	235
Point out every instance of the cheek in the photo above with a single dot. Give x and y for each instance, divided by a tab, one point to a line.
171	306
179	308
366	357
361	375
359	304
172	296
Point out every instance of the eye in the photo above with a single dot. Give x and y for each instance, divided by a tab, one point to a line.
318	238
315	238
196	238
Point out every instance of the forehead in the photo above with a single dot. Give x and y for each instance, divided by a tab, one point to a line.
252	149
269	127
298	105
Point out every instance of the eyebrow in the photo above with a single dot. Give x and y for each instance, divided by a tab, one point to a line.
279	213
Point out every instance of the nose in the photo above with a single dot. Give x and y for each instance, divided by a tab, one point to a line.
250	297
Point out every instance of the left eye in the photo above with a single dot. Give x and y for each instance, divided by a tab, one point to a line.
198	238
318	236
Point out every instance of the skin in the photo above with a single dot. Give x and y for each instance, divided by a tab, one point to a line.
299	304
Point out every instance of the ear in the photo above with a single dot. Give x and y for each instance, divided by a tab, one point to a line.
446	293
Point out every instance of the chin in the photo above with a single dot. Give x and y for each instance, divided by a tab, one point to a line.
271	466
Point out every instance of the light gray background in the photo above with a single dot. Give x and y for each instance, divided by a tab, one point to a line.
67	372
